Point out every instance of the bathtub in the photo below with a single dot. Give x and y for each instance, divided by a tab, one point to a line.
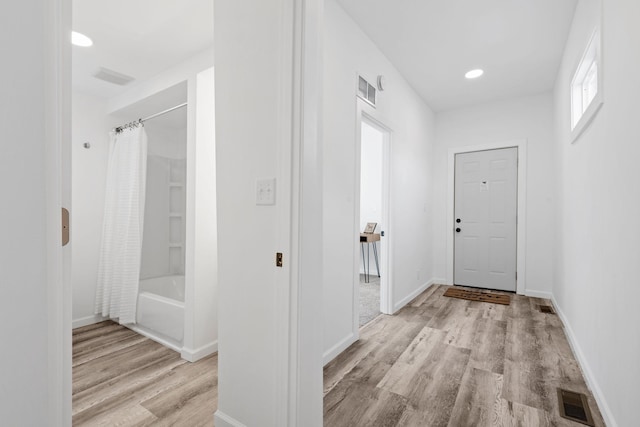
160	313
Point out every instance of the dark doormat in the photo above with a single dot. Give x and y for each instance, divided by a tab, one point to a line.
478	296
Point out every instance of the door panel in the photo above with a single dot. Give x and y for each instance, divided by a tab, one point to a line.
486	185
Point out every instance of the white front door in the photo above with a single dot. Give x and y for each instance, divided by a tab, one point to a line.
485	222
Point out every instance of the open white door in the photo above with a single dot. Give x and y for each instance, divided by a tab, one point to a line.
485	222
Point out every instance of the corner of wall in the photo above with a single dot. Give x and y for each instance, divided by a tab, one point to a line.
89	320
223	420
334	351
193	355
407	299
538	294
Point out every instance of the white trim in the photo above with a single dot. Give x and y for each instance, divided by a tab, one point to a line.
193	355
57	108
521	144
406	300
89	320
593	385
223	420
152	335
590	113
439	281
299	230
334	351
538	294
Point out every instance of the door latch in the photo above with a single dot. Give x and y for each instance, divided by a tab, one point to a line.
279	259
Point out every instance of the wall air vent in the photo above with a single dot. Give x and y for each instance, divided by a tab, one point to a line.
366	91
113	76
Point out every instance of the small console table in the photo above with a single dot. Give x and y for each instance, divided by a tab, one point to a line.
365	240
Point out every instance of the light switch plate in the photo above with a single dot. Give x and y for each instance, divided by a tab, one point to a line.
266	192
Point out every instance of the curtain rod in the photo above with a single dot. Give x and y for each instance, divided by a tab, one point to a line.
140	121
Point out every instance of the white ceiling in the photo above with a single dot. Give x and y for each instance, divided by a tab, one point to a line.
433	43
138	38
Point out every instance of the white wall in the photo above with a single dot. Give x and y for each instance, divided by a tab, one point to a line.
371	183
596	285
267	110
201	310
89	124
349	51
246	232
166	141
529	118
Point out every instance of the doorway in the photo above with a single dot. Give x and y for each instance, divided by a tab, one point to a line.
372	278
139	103
485	215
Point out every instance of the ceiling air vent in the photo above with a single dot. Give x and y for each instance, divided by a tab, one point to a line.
113	77
366	91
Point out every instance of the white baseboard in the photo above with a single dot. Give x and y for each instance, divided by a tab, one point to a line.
89	320
192	355
406	300
223	420
439	281
173	345
334	351
537	294
586	369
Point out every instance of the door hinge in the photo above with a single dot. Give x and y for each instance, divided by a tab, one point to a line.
279	259
65	227
516	275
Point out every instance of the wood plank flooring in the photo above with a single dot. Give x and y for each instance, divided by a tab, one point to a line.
449	362
438	362
121	378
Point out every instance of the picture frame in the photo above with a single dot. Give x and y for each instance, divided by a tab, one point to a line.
370	228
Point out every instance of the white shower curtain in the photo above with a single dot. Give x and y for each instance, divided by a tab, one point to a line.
121	248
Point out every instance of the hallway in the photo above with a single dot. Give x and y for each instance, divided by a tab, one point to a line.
443	361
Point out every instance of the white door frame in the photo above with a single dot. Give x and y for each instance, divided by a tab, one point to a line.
386	286
521	144
58	160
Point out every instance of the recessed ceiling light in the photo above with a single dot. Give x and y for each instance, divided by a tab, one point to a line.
474	74
81	40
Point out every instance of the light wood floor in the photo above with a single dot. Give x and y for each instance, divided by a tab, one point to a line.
121	378
448	362
438	362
